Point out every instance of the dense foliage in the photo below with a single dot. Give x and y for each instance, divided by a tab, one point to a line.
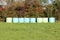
30	9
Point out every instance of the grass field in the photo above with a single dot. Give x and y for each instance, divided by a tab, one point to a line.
17	31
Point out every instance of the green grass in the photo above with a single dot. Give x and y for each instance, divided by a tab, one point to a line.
10	31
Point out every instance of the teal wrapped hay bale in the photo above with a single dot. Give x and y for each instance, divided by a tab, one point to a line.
21	20
32	20
26	20
15	20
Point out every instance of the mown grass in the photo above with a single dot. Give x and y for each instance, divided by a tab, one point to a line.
18	31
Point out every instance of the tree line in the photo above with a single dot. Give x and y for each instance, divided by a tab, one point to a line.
30	9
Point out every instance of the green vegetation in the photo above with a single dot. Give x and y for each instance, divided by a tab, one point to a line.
17	31
31	8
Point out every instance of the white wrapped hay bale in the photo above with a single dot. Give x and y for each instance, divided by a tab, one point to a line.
39	20
9	20
45	20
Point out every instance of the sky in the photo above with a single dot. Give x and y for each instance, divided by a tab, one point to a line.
50	1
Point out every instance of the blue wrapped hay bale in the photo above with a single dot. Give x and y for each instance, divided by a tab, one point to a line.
52	20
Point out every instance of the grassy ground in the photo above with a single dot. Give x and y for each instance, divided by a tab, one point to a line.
10	31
